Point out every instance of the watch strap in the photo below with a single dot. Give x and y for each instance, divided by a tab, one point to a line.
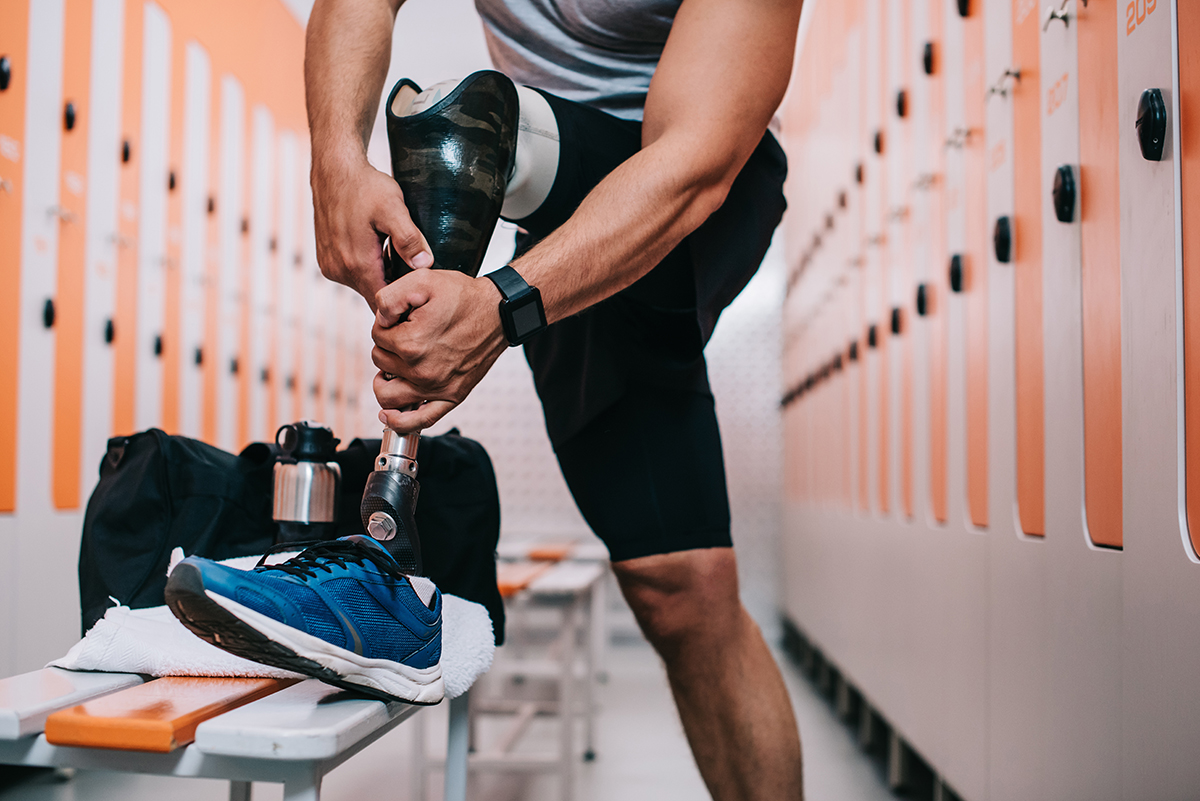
509	282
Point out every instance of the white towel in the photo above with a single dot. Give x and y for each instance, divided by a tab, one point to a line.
153	642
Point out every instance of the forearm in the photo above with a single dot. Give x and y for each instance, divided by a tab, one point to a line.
722	75
624	227
346	59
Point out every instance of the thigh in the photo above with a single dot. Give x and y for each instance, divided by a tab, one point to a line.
648	474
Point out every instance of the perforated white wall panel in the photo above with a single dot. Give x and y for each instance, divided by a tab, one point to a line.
743	357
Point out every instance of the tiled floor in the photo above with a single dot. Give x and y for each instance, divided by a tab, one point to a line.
642	755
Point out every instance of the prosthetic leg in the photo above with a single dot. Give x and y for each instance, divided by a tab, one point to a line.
454	155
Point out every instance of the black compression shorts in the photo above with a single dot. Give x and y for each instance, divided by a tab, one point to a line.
623	385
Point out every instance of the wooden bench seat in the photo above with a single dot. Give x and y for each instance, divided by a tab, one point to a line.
157	716
512	577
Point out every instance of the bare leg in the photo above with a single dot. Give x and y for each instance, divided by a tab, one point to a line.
730	695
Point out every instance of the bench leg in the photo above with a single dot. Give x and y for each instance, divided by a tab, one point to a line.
239	791
567	704
306	789
456	748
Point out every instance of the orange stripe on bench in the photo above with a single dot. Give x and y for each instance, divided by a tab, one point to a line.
551	551
158	716
512	577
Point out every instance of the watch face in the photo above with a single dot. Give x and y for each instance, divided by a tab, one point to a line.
525	316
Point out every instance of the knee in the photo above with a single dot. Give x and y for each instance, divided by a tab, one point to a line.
682	598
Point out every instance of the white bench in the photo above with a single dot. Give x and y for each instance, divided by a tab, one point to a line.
575	590
294	735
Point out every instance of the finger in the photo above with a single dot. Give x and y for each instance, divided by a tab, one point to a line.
417	419
395	393
407	241
388	362
395	301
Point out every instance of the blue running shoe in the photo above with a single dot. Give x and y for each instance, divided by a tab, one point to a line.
341	612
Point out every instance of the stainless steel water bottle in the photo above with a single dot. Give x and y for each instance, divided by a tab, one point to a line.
306	483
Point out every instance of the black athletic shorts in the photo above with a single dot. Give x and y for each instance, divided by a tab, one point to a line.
623	385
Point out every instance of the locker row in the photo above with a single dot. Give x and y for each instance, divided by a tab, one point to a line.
909	231
156	241
991	508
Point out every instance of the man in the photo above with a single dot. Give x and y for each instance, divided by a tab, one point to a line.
721	74
657	211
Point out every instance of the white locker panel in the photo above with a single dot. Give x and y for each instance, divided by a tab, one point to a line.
1160	580
104	147
230	210
283	291
194	252
44	617
260	284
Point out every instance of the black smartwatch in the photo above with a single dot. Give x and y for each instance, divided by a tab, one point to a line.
521	311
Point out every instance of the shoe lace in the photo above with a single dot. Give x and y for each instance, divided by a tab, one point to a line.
327	555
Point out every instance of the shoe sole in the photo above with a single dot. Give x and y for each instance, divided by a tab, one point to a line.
251	635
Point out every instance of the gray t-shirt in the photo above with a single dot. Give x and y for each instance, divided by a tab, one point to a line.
598	52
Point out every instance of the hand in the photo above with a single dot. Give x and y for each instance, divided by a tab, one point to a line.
356	206
437	333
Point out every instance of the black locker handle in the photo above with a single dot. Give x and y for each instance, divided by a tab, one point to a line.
1152	124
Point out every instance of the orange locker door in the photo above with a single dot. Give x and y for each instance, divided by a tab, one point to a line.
125	315
245	372
1189	145
172	329
72	242
1027	262
1100	217
974	266
14	44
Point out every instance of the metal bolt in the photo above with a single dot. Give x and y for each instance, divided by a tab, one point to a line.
381	526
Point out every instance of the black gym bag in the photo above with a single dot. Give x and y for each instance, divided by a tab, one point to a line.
158	492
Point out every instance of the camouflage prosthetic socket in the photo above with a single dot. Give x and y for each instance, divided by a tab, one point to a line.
452	159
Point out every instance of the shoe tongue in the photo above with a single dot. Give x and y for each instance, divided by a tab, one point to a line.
370	543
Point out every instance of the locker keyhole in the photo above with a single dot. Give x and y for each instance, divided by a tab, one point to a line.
5	72
896	320
922	300
872	337
927	62
48	313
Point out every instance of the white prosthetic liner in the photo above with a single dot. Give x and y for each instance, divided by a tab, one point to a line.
537	157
